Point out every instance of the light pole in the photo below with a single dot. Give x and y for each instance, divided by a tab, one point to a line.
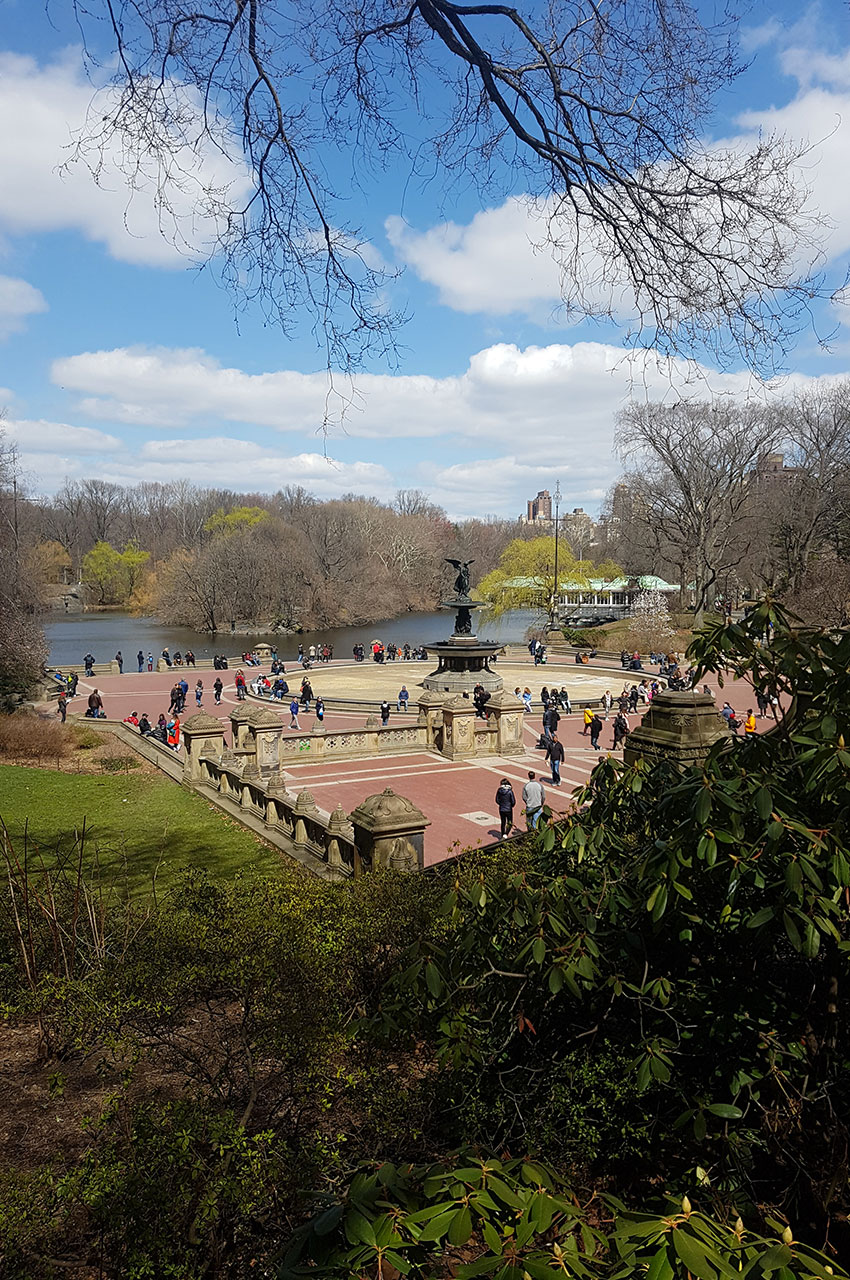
557	497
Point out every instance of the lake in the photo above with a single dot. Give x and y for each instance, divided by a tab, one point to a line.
71	636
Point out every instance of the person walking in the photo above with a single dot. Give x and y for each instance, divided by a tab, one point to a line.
199	693
385	713
174	704
607	702
119	658
763	702
306	693
140	658
150	662
505	802
595	730
184	691
172	730
555	756
551	720
293	714
621	728
320	710
588	718
217	688
403	698
239	681
534	798
749	723
62	707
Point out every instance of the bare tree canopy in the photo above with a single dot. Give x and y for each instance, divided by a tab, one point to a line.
597	113
690	468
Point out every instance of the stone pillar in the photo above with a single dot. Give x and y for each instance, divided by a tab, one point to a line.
240	717
263	731
305	807
338	826
199	731
389	831
506	709
280	804
430	713
458	728
681	727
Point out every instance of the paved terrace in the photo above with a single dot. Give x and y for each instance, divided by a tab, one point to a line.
457	796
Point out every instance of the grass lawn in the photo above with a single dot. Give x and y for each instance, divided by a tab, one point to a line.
135	827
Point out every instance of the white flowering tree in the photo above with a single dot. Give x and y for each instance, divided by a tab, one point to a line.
650	624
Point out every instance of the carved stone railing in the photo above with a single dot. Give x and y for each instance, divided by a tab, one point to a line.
385	830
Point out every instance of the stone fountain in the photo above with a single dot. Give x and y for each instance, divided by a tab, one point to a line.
464	660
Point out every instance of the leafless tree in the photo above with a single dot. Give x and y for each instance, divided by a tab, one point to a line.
805	510
598	113
690	466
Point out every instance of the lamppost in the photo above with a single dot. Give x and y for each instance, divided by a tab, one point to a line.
554	612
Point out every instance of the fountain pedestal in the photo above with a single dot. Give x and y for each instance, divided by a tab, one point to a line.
463	659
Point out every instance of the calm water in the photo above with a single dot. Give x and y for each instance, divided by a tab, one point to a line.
70	637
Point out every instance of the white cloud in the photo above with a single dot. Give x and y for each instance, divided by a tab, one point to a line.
225	462
18	301
490	265
39	437
512	422
41	110
500	262
557	390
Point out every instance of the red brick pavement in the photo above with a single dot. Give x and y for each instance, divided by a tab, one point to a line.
457	796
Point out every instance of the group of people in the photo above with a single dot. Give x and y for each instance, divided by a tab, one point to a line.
178	659
166	730
533	799
537	649
314	653
733	721
389	653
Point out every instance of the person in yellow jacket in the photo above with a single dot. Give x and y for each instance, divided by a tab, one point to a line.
750	722
588	717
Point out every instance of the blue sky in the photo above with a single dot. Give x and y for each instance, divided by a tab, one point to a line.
118	358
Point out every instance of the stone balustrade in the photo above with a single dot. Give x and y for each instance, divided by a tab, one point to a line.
248	781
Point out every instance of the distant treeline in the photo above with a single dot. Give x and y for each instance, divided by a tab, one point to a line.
203	557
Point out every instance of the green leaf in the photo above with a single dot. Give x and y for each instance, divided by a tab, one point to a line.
437	1227
538	950
556	980
764	803
760	918
461	1226
724	1110
702	808
358	1230
777	1256
492	1238
693	1255
326	1221
660	903
659	1268
433	979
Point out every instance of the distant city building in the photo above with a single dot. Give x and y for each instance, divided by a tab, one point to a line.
771	474
540	508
